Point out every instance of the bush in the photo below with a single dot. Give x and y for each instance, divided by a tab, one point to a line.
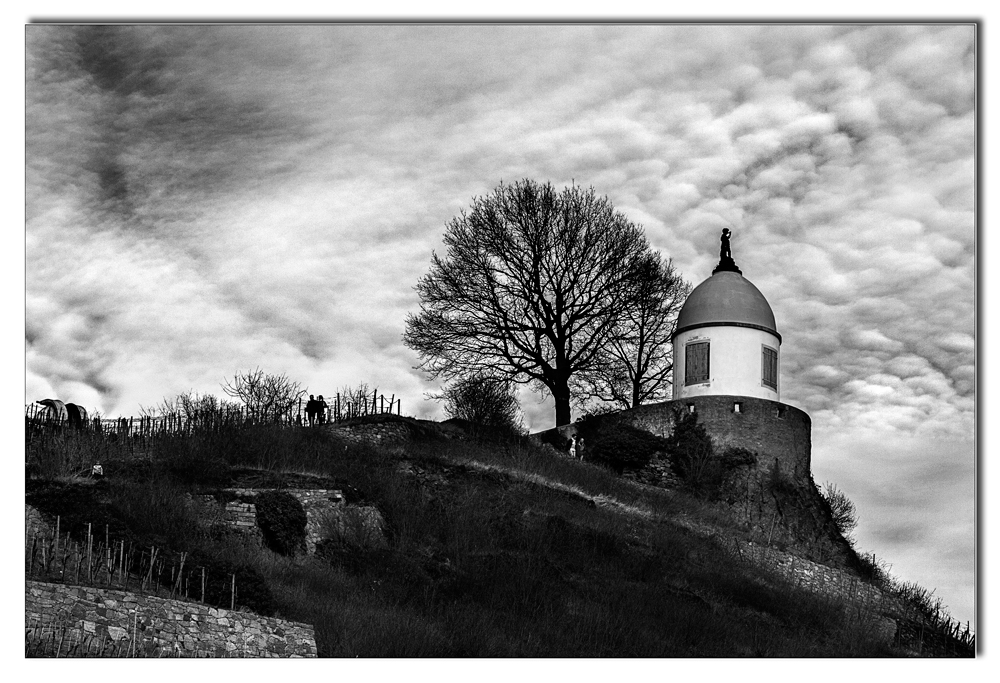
695	461
874	571
485	401
282	521
844	514
692	453
617	444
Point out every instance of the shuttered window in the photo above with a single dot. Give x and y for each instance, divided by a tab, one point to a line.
769	368
696	363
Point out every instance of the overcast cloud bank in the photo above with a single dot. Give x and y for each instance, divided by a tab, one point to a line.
203	200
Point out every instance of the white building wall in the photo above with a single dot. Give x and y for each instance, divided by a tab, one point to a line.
735	366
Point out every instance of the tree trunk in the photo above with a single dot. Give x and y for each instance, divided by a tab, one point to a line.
561	395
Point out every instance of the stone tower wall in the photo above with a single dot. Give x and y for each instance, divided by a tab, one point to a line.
775	430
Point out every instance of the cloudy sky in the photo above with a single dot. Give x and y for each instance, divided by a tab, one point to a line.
202	200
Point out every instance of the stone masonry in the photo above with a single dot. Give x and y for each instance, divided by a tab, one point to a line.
102	621
374	433
326	514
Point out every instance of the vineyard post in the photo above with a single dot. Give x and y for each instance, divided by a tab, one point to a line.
135	628
65	558
232	594
90	548
203	584
55	548
180	572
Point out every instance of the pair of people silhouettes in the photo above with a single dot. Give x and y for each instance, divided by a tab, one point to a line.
316	410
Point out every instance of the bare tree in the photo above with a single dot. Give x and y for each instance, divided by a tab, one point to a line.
267	397
636	365
531	288
484	400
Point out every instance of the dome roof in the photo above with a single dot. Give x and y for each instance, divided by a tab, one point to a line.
726	298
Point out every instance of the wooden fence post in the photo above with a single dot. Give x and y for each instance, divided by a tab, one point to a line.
90	549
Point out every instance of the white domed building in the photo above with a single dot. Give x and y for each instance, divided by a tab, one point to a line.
726	341
727	365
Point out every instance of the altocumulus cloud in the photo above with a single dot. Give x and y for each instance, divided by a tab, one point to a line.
206	199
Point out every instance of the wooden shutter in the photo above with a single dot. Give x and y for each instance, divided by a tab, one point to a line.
769	368
696	363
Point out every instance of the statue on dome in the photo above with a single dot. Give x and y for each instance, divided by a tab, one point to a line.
726	262
726	252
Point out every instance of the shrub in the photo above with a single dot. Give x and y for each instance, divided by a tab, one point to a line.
354	526
692	453
844	514
485	401
617	444
695	460
874	570
282	521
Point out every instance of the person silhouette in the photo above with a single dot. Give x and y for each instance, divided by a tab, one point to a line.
311	409
321	409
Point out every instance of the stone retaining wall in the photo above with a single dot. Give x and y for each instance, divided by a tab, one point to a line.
326	515
375	433
654	473
35	524
883	613
113	621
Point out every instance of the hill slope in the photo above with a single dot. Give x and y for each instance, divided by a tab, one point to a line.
491	549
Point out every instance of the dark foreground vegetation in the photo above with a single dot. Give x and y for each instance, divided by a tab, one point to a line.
494	548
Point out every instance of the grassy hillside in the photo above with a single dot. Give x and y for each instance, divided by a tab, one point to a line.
494	547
